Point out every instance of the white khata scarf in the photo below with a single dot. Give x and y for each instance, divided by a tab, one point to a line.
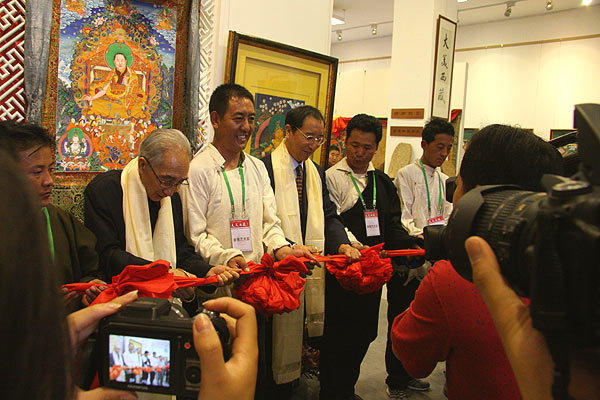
139	239
288	328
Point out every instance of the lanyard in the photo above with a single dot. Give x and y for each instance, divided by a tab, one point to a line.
50	237
241	170
360	194
427	187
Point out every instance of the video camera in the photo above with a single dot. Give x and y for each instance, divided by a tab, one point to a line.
547	244
148	347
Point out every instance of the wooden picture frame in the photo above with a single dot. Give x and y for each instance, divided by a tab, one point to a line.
281	77
445	42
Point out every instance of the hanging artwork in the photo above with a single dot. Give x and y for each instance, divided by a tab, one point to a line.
269	127
443	67
116	74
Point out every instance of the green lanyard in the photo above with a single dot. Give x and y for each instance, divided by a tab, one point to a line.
50	237
427	187
360	194
241	170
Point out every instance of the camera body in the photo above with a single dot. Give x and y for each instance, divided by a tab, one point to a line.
547	244
148	347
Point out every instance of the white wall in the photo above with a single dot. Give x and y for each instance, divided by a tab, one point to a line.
301	23
533	86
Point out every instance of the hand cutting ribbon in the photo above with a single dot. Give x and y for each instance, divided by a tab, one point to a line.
272	287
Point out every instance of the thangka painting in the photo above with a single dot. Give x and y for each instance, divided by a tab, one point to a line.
116	67
269	126
567	149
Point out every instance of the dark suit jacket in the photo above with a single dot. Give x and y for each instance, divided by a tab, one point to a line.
335	234
104	217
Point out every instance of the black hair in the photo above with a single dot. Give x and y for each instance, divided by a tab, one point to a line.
219	100
436	126
502	154
296	116
35	340
365	123
15	138
334	147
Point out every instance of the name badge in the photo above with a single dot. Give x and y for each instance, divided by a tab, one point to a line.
372	222
439	220
240	234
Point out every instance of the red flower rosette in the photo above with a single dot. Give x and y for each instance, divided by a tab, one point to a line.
137	371
158	369
147	369
367	275
274	287
115	371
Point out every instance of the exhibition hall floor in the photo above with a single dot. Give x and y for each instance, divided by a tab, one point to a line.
371	384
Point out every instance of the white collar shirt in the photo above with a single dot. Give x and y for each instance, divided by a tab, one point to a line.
207	208
342	190
412	191
131	359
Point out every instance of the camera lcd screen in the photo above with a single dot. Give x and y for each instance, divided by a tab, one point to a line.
139	360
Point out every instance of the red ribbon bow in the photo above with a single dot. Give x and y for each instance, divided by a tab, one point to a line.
276	286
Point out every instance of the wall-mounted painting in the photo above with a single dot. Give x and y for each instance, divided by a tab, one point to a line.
115	70
280	77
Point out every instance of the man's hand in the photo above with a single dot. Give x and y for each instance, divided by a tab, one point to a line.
225	274
299	250
93	292
352	255
186	294
358	246
238	262
69	298
236	378
525	346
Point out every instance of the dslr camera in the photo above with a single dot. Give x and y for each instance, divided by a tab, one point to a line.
148	347
547	244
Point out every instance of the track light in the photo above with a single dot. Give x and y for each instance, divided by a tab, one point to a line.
549	5
339	33
509	5
374	29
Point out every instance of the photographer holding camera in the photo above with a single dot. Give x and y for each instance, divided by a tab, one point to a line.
38	341
448	320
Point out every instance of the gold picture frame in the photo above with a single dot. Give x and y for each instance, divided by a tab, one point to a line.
281	77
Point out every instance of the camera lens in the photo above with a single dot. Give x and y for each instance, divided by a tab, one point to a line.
192	374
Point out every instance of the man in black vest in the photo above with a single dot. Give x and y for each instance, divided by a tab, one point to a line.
361	193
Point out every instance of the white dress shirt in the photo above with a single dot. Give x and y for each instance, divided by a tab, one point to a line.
412	191
131	359
208	208
341	188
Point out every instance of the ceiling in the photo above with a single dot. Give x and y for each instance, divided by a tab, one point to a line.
360	14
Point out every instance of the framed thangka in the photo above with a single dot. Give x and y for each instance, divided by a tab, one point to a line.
280	77
443	67
113	78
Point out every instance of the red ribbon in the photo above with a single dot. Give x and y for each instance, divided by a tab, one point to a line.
271	287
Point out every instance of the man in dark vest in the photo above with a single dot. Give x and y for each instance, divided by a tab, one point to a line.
367	201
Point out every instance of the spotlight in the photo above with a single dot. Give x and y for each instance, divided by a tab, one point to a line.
509	5
586	2
339	33
374	29
549	5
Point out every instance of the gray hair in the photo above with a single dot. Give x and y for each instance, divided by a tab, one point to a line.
160	141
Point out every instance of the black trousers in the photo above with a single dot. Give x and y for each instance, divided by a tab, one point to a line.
399	298
339	369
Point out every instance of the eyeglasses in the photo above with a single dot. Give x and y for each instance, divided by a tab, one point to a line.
167	184
310	138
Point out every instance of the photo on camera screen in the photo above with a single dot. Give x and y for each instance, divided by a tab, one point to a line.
139	360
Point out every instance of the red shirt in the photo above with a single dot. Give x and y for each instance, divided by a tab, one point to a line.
448	321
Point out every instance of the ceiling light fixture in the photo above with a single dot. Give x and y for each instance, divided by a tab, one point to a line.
338	17
509	5
462	1
549	5
374	29
339	33
586	2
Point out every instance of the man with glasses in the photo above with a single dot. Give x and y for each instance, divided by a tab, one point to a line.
136	213
308	218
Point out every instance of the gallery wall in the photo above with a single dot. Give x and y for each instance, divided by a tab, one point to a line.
533	86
